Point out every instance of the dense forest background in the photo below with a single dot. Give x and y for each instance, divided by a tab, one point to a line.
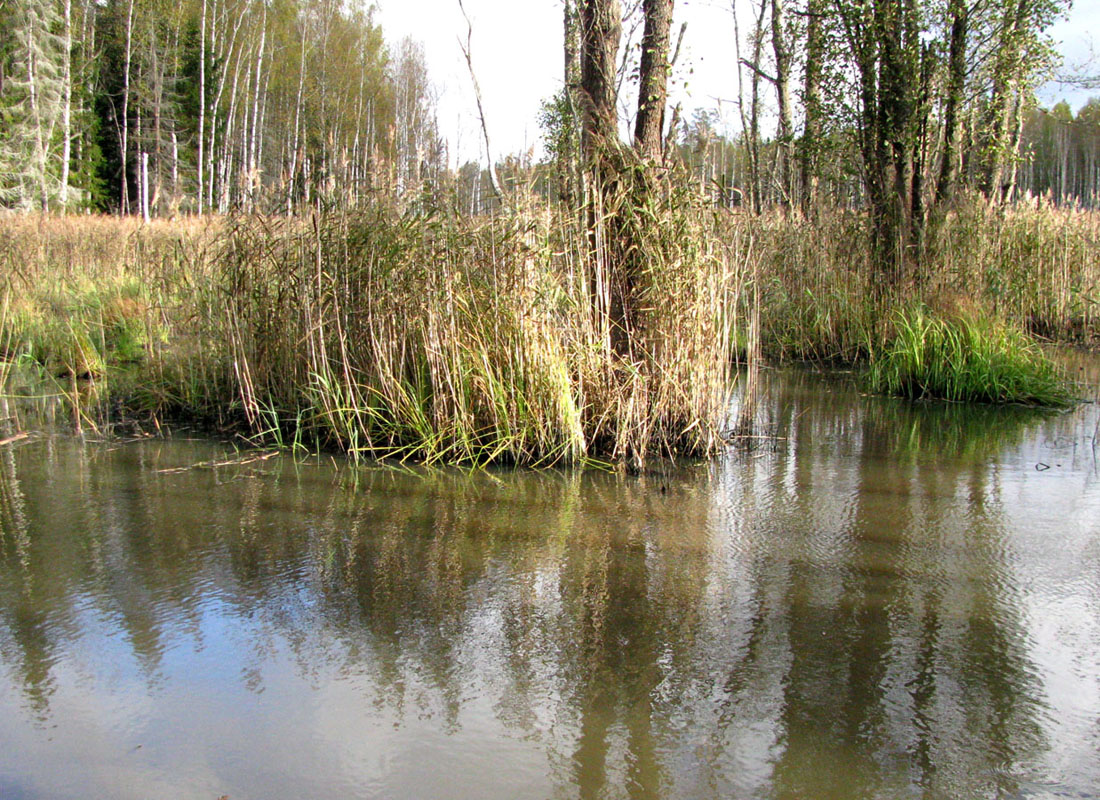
161	108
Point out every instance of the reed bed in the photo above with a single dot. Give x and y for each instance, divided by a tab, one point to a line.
441	338
1034	267
110	309
424	334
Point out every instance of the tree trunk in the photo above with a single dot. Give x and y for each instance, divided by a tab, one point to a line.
998	122
124	187
785	133
252	162
956	89
571	156
756	193
653	79
37	117
202	107
601	29
609	279
295	148
810	149
66	104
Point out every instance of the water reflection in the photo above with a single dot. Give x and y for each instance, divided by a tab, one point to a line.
881	601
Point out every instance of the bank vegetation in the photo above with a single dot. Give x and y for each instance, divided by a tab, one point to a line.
293	255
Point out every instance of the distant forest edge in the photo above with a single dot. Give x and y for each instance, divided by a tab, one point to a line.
162	108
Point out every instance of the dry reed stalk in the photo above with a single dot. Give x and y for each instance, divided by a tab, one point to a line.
423	334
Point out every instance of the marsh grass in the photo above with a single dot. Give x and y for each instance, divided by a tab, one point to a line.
1034	267
422	334
101	309
440	338
966	359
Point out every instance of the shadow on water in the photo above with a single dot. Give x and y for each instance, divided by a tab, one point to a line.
865	607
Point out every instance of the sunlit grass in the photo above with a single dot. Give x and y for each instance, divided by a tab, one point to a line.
421	334
967	359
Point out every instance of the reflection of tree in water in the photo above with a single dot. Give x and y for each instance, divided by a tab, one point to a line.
820	621
907	651
24	629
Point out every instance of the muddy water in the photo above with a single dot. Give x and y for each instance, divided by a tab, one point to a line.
878	600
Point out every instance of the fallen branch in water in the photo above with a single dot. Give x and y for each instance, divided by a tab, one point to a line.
17	437
232	462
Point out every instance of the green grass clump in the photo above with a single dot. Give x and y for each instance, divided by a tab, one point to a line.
967	359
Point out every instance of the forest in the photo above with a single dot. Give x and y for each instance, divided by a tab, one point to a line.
147	107
333	274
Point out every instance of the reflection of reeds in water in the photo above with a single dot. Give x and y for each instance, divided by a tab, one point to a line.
7	355
791	407
596	617
950	431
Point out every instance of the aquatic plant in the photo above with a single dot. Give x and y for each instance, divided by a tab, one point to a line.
421	333
968	359
1033	266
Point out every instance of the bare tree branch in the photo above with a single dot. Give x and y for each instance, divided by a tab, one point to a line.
466	50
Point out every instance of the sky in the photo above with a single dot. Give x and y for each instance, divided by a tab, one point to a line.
516	47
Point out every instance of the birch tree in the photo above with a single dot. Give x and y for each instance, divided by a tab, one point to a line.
33	98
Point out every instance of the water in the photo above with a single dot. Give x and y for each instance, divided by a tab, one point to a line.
877	601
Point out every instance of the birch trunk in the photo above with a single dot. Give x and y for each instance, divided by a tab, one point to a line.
124	187
202	105
785	134
66	104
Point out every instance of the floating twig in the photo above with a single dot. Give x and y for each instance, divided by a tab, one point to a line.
232	462
15	438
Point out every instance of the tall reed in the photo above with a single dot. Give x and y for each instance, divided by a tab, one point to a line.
420	333
444	338
1034	267
121	306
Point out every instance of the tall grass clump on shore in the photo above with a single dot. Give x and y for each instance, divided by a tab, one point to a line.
389	331
967	359
1033	266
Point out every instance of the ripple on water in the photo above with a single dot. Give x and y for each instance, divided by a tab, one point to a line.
889	602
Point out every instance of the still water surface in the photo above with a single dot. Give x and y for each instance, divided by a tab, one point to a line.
882	601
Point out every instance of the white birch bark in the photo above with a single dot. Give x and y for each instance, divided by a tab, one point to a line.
66	104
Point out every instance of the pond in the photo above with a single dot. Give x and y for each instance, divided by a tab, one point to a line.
875	600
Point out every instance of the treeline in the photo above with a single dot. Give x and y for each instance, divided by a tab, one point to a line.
1060	154
158	107
894	106
1058	159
